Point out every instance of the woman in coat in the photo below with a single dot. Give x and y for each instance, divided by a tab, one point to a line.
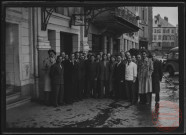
145	81
47	63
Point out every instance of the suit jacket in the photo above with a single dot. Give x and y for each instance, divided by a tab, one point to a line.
111	70
74	70
103	71
119	72
92	70
57	74
157	72
156	76
81	69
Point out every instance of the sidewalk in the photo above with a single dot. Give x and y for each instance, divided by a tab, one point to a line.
93	113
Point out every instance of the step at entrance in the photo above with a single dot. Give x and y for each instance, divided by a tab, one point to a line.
17	102
12	96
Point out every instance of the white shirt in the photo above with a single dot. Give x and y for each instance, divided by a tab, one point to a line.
130	71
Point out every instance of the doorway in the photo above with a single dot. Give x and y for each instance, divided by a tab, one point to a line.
96	43
12	56
66	44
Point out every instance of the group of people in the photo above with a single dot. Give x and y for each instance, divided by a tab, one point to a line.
74	77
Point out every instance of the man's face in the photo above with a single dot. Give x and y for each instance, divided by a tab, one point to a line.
133	58
108	55
92	58
77	55
51	54
138	57
60	59
112	59
127	54
119	58
105	57
144	54
72	57
129	59
66	56
153	56
63	54
98	57
82	57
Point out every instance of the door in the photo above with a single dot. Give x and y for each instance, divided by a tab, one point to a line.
12	56
96	43
66	42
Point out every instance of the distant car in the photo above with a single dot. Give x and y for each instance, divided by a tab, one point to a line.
172	62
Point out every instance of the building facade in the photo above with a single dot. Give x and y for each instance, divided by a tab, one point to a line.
164	34
31	32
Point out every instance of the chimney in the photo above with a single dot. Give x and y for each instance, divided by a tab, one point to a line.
166	18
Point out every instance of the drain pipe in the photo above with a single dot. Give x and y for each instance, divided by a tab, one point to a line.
34	27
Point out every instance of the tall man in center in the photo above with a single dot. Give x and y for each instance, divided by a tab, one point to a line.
104	76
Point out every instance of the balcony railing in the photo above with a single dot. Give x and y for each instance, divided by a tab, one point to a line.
127	15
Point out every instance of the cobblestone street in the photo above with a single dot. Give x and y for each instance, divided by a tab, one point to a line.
95	113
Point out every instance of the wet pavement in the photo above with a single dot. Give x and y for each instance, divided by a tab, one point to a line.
95	113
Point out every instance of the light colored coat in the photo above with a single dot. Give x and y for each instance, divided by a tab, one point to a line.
145	69
47	63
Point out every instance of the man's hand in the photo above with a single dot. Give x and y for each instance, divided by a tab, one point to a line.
134	80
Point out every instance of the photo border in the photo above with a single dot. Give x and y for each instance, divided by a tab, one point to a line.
182	69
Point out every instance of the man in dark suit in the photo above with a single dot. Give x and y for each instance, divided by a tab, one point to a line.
67	81
74	76
81	77
92	71
157	75
119	78
103	76
57	78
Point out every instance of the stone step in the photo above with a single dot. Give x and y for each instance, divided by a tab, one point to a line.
17	102
9	90
12	96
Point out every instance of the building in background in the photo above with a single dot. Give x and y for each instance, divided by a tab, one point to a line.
164	34
176	37
145	33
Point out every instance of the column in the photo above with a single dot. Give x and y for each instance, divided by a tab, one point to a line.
104	44
122	44
126	45
111	45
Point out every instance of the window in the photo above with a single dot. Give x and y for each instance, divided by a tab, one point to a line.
143	13
159	44
172	44
172	38
158	30
164	31
154	37
159	37
154	30
168	37
172	31
143	31
164	37
168	31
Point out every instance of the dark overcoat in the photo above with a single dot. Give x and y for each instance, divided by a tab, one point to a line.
156	76
103	71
